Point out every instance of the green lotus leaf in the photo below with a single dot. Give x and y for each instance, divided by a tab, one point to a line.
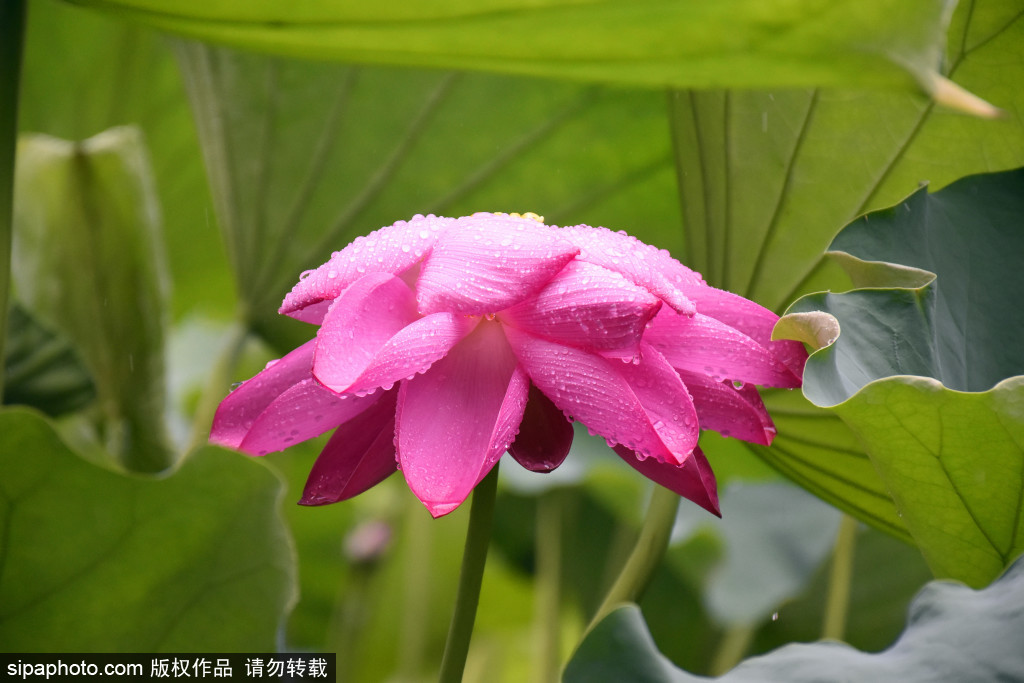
929	377
337	151
96	561
954	634
767	179
733	43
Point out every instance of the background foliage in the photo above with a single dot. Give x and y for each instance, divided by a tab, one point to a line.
742	150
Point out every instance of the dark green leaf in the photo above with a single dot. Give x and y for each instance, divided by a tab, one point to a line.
41	369
913	367
968	239
953	634
95	561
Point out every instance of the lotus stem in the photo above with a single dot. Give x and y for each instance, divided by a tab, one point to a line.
646	556
837	601
417	586
478	537
733	646
549	583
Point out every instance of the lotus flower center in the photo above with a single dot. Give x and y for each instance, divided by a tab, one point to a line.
529	214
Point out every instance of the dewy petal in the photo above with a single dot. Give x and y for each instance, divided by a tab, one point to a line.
393	249
703	344
414	349
455	420
304	411
360	321
643	406
665	399
359	455
588	307
545	436
692	480
237	412
730	411
486	263
649	267
753	320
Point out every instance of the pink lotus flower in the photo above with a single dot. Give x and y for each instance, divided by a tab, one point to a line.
443	343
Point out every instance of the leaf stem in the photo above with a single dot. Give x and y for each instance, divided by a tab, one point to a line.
12	37
646	556
549	583
478	537
734	644
837	601
417	590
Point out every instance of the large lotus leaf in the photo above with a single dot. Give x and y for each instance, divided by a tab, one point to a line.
925	370
954	634
88	262
95	561
767	179
733	43
967	239
303	157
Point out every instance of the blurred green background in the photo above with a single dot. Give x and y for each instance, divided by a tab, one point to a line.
150	264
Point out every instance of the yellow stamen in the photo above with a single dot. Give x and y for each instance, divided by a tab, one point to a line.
529	214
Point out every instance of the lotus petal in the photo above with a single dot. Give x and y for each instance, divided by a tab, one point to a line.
455	420
487	263
237	412
693	480
306	410
703	344
545	436
751	319
588	307
649	267
359	455
393	249
728	410
360	321
413	349
643	406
